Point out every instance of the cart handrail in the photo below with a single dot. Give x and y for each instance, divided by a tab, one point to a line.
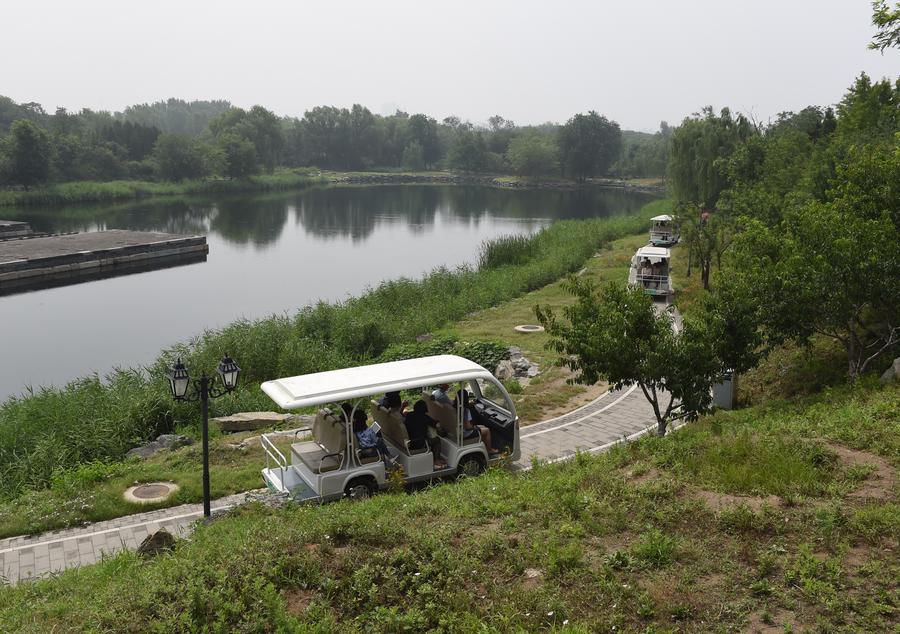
273	452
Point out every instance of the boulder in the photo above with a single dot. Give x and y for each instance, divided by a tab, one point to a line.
515	352
163	441
249	421
162	541
892	373
425	337
505	370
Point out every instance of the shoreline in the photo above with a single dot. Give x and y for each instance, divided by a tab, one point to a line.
499	181
91	192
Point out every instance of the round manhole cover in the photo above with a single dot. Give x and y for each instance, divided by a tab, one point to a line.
150	492
526	328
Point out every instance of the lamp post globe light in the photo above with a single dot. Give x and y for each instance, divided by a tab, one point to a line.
204	389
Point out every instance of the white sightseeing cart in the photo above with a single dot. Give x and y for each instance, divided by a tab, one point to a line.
664	231
650	271
330	465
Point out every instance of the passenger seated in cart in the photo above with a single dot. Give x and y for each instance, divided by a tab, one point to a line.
391	401
440	395
470	430
421	426
646	271
369	439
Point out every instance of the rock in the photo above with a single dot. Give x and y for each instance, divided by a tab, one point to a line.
249	421
423	338
159	542
505	370
532	371
892	373
163	441
515	352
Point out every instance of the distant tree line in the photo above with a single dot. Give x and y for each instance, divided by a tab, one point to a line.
175	140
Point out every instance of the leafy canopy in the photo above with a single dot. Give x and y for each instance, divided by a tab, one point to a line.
615	332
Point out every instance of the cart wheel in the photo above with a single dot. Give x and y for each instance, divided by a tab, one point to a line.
470	466
360	489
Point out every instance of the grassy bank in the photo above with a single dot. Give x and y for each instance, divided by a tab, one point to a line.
783	518
112	191
52	432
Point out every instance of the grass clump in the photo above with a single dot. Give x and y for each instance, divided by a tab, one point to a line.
655	549
511	250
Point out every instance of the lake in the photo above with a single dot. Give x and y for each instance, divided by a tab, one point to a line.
268	254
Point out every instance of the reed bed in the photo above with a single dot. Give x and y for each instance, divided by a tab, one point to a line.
102	192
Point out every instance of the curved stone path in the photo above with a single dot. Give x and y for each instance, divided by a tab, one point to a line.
612	418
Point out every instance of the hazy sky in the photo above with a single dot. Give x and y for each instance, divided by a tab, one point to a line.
636	62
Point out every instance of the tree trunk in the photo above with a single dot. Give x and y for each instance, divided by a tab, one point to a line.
654	401
704	272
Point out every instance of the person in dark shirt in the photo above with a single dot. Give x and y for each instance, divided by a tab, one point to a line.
421	426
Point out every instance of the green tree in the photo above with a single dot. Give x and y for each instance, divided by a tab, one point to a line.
824	271
532	155
707	237
178	157
414	156
424	130
888	22
700	145
238	156
588	145
468	152
617	334
869	110
29	154
259	126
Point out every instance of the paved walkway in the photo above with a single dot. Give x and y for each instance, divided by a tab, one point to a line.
612	418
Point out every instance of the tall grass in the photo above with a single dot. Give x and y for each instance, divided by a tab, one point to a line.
506	250
58	428
91	191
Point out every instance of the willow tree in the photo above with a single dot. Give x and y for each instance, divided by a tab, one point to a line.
697	157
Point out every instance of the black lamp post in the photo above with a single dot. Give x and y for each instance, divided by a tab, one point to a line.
204	389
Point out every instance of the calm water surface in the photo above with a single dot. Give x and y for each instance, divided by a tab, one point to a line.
267	254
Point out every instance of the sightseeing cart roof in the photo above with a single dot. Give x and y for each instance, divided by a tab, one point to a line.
663	218
368	380
652	252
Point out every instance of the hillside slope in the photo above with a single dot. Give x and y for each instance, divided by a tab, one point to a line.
783	516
